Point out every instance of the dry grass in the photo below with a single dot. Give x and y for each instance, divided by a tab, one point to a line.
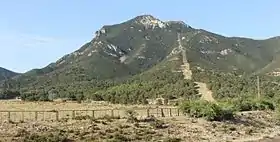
21	105
251	127
65	110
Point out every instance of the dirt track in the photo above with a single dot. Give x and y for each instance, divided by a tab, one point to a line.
202	87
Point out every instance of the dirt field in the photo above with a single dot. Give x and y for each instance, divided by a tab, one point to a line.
46	111
58	105
251	126
248	128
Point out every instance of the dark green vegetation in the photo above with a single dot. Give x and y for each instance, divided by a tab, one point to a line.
45	138
208	110
237	85
225	110
140	59
7	94
6	74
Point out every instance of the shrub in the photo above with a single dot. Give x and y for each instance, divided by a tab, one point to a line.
158	124
8	94
45	138
246	106
159	102
149	119
21	133
170	139
254	104
131	116
82	117
269	105
110	118
209	111
117	137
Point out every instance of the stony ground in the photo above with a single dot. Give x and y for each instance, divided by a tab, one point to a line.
58	105
251	126
65	110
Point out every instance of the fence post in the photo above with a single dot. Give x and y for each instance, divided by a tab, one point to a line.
22	116
73	114
36	115
178	112
148	112
162	113
92	113
9	116
57	115
112	113
170	112
157	111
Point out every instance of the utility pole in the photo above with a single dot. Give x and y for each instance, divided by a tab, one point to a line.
258	86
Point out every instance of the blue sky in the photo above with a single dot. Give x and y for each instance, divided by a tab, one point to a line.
34	33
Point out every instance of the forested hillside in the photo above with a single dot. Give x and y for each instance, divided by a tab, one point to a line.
141	58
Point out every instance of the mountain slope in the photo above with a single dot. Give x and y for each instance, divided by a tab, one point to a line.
227	54
144	45
116	51
202	89
6	74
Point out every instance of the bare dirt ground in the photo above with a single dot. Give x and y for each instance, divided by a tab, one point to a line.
253	127
250	126
21	105
206	93
46	111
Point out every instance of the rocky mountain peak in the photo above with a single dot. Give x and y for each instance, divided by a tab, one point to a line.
99	32
178	22
150	21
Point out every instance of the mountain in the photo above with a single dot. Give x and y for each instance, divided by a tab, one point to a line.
145	47
6	74
116	51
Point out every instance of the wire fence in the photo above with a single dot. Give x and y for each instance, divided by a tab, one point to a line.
56	115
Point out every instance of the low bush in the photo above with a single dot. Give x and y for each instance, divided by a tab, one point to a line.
209	111
159	102
158	124
45	138
277	116
131	116
22	133
254	104
117	137
82	117
151	118
170	139
108	118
